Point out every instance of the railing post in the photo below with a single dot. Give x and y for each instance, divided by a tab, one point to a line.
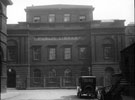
44	82
60	81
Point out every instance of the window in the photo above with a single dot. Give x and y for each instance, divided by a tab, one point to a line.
108	49
52	76
67	75
66	17
36	19
67	53
83	52
107	52
36	53
12	54
82	18
51	17
37	75
52	53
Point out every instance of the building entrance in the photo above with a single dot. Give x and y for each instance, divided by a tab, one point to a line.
11	78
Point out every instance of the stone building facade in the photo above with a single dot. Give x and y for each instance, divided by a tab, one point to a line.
3	42
58	43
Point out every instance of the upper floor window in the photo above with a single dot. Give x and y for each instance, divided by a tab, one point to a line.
52	53
66	17
51	17
12	51
67	53
82	18
36	19
36	53
83	52
12	54
108	49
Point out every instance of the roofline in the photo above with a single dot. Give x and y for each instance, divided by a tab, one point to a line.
88	76
51	7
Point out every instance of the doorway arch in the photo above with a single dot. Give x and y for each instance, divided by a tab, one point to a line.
11	78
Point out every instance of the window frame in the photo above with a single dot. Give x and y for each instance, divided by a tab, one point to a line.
54	53
64	53
36	19
11	48
86	51
37	54
82	18
108	56
67	18
51	18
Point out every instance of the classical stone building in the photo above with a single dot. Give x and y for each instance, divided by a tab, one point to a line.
3	42
58	43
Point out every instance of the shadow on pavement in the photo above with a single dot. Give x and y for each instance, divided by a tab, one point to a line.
74	97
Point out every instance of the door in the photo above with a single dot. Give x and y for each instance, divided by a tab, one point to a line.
11	78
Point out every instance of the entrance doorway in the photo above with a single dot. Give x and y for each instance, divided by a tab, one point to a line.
11	78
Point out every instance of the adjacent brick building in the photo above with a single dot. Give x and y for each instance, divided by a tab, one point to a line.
58	43
3	42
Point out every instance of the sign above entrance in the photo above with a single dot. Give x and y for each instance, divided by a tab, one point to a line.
43	38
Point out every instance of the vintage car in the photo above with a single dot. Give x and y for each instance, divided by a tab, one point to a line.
86	86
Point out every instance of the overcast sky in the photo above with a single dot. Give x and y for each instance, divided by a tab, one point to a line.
104	9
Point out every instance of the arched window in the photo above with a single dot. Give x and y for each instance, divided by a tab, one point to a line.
68	76
108	49
52	75
37	75
12	51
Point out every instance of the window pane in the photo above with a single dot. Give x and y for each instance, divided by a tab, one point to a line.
36	53
12	53
67	53
52	18
82	53
108	52
82	18
36	19
66	17
52	53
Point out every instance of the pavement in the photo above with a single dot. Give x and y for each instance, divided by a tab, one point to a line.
12	93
